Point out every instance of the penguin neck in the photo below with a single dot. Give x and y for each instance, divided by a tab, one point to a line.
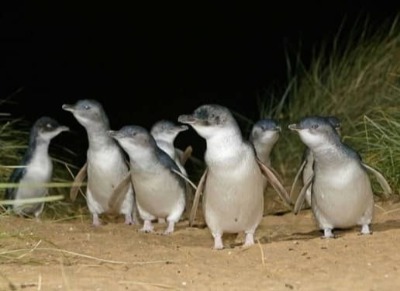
166	147
98	137
38	149
40	146
329	155
224	148
143	160
263	152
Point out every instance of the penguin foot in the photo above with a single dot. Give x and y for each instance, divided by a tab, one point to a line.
249	241
218	245
328	233
96	220
170	228
147	227
365	230
128	219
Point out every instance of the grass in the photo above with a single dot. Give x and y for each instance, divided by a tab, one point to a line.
356	78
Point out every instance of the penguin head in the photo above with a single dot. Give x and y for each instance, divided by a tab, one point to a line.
315	131
46	128
210	120
133	138
87	112
335	122
265	131
166	130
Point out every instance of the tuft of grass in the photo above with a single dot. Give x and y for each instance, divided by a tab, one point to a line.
356	78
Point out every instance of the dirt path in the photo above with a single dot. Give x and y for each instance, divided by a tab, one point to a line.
290	255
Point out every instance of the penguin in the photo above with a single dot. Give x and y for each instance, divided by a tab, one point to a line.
233	183
105	168
36	168
160	190
306	168
164	133
341	193
263	136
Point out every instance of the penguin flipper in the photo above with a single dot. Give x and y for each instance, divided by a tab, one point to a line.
196	199
188	190
296	178
14	178
119	194
275	183
79	178
186	155
387	191
302	196
187	180
276	175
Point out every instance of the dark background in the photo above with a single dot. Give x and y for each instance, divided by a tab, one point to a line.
151	60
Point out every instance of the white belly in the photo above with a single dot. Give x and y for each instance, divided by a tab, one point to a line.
157	193
342	196
233	199
38	172
105	171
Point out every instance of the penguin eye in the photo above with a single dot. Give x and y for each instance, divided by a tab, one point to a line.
86	107
314	126
48	125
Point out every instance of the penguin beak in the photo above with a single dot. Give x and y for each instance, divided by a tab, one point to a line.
112	133
68	107
64	128
183	128
188	119
294	127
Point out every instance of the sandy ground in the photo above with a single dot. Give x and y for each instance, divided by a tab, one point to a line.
70	254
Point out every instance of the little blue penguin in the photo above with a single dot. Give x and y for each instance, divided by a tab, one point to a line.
306	168
106	166
164	133
233	182
160	191
341	193
263	136
36	168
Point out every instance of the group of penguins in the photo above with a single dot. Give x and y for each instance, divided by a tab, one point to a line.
152	185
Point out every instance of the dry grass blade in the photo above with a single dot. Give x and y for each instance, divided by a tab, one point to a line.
163	286
262	252
38	185
32	200
37	249
296	178
185	178
197	195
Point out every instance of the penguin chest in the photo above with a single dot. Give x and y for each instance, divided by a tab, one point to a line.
158	193
233	199
105	170
37	172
